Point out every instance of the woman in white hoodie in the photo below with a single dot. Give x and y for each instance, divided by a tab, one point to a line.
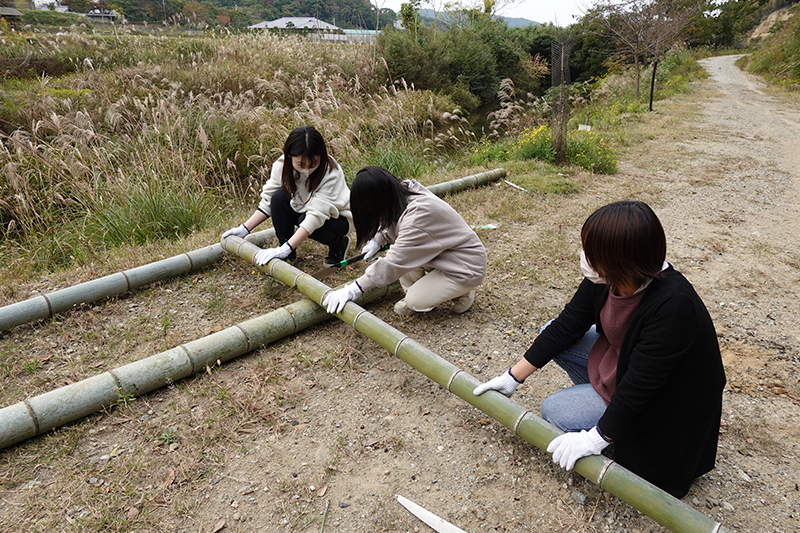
309	194
434	253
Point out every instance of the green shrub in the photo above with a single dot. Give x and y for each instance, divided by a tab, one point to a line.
491	152
584	149
406	160
160	207
590	151
535	144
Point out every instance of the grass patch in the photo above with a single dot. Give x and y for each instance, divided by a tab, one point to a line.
586	150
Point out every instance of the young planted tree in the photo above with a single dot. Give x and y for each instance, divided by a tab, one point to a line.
644	29
668	20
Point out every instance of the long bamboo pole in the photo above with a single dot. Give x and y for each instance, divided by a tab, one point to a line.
37	415
47	305
34	416
608	475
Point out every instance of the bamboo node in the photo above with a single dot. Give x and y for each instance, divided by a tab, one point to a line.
453	377
33	416
399	344
519	420
49	305
189	357
602	474
358	315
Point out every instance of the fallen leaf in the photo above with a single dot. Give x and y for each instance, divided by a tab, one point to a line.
169	477
778	390
133	512
322	490
509	332
424	412
370	441
218	525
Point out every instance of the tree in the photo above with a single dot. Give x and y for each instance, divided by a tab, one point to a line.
644	29
409	15
668	19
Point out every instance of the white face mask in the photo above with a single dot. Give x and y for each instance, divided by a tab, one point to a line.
589	272
305	172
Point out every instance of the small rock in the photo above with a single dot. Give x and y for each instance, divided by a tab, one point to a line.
344	504
579	497
728	507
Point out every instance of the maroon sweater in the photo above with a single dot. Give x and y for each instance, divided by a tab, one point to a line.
602	364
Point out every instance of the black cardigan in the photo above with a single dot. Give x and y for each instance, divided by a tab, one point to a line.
665	413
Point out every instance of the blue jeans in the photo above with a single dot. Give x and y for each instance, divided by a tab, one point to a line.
580	406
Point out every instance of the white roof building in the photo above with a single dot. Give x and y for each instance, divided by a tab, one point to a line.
285	23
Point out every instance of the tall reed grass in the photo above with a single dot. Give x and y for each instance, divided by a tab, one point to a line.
152	137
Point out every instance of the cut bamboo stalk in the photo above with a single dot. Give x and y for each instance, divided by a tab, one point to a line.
608	475
34	416
47	305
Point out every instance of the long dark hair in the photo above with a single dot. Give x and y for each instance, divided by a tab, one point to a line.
307	143
377	199
625	242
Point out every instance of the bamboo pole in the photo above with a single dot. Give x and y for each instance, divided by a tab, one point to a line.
608	475
47	305
34	416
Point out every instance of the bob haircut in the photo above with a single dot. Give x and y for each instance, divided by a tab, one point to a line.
377	199
305	142
625	243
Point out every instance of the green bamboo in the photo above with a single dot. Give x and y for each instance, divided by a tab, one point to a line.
34	416
608	475
47	305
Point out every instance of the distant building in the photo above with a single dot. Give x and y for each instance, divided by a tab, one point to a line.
50	5
12	16
322	30
294	23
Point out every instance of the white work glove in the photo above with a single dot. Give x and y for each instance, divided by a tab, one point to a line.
240	231
336	300
370	249
570	447
263	257
505	383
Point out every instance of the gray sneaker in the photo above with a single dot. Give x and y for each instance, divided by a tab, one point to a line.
463	302
403	310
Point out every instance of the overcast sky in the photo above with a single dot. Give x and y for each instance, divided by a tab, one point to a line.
558	12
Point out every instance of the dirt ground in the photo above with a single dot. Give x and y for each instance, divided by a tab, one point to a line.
320	431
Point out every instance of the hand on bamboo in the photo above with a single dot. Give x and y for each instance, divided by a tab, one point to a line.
240	231
263	257
336	300
371	249
504	383
570	447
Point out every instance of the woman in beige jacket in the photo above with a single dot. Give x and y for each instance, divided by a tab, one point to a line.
434	253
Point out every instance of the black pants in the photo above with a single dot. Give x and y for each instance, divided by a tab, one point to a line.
285	219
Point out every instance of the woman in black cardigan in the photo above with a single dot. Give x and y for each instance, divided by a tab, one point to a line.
641	348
